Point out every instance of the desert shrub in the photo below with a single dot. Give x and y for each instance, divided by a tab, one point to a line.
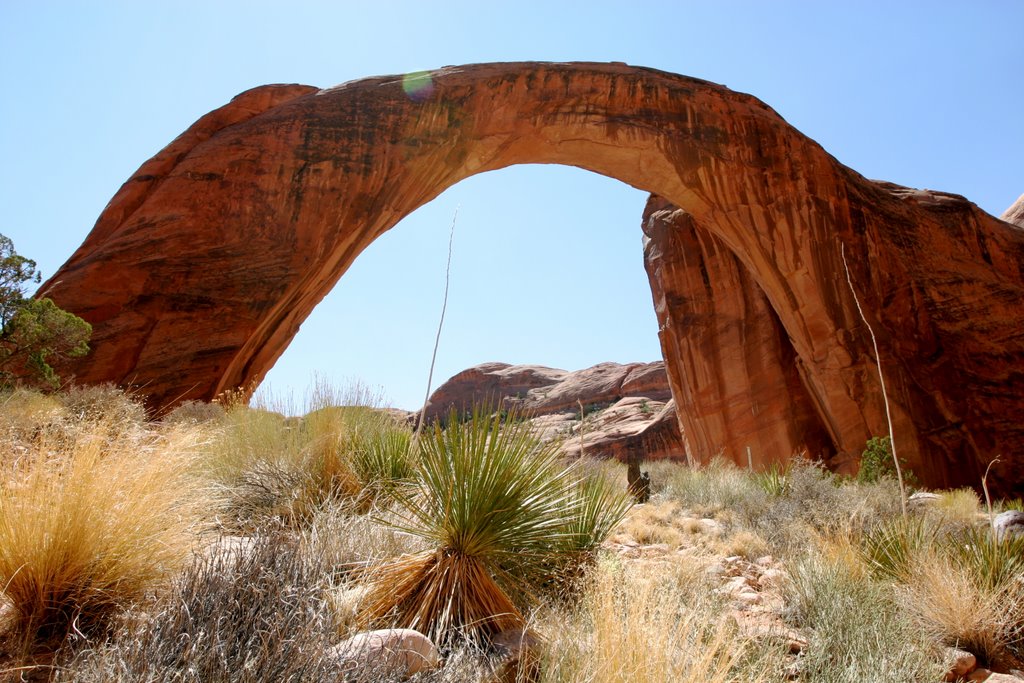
891	550
346	543
651	624
953	604
27	415
787	507
774	479
502	516
993	562
857	629
719	486
281	470
194	412
103	402
238	617
34	333
90	525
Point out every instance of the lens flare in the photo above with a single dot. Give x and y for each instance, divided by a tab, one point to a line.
418	85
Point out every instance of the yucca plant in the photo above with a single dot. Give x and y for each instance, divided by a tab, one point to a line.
891	549
501	513
774	480
993	562
384	460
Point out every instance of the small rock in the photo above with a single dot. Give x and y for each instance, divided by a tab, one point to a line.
765	561
737	584
960	663
1003	678
399	651
1009	523
715	570
979	675
921	500
772	578
748	597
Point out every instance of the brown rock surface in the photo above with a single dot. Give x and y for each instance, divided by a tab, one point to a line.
542	391
629	410
203	266
737	377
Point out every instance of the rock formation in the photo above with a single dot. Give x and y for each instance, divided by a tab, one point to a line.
543	391
203	266
736	377
629	414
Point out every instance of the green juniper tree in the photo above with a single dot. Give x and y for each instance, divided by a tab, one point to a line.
34	333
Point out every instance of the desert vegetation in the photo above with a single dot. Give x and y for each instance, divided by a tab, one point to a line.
231	543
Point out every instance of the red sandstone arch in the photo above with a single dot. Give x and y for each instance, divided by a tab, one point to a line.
202	267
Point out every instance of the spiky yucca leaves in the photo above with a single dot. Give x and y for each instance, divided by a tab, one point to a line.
501	512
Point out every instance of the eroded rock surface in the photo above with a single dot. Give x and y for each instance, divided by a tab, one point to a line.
627	411
203	266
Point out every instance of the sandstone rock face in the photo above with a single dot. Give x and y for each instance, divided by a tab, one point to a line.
1015	214
203	266
629	411
736	377
541	391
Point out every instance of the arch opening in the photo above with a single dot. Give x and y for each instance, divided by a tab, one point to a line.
551	274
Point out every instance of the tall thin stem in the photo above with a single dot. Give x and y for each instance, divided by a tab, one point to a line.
440	324
881	380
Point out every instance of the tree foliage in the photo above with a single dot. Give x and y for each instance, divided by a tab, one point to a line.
34	333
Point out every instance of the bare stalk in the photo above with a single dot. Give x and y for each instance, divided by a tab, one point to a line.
440	324
881	380
988	498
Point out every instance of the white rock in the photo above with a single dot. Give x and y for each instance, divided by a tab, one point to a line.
1009	523
399	651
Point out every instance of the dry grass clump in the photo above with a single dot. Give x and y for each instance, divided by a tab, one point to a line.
786	508
948	602
651	624
856	629
956	510
89	524
278	470
233	617
195	412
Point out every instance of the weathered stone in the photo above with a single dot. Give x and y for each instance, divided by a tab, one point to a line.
394	651
922	500
1009	523
1002	678
960	663
538	390
201	269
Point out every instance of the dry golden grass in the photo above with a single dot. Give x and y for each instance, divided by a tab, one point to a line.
650	624
948	602
88	525
957	508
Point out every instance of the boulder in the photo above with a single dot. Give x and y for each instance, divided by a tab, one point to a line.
960	663
396	651
1009	523
539	390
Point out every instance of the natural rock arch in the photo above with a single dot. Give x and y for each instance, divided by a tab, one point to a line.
203	266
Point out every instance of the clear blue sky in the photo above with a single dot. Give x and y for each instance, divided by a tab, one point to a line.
548	265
